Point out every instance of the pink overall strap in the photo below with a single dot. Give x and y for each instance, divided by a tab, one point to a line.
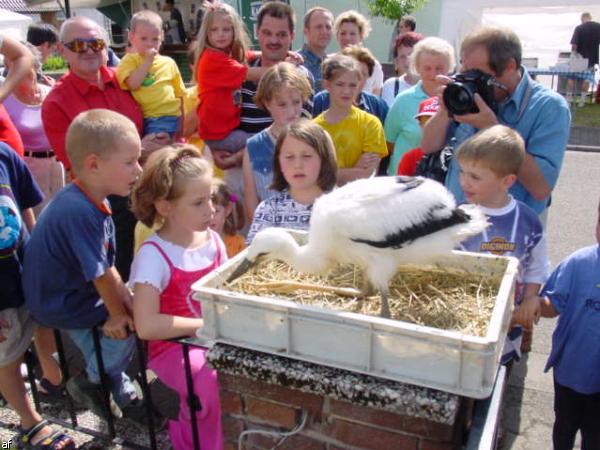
162	252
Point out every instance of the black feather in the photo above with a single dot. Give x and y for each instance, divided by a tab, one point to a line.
429	226
409	182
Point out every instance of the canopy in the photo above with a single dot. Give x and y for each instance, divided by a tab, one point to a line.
13	24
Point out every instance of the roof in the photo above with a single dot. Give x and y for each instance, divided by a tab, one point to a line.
21	6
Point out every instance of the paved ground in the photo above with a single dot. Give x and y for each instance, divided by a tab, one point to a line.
571	224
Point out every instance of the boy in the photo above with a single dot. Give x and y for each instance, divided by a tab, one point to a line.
69	278
18	195
489	163
154	80
573	293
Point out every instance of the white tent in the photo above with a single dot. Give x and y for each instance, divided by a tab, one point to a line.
13	24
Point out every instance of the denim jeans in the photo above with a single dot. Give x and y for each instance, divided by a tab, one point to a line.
116	355
168	124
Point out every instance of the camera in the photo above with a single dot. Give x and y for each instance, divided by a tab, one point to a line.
459	95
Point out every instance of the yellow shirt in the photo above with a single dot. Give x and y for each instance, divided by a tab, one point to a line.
357	133
160	92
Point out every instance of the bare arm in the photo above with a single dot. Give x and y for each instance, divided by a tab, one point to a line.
28	218
136	78
116	298
365	167
531	309
532	178
151	324
251	199
21	63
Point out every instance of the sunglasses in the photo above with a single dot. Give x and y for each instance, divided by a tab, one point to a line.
82	45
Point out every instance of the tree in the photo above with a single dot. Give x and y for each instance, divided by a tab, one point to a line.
393	9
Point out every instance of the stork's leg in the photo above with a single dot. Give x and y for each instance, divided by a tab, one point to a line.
385	306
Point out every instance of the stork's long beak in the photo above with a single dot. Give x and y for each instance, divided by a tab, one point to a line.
240	269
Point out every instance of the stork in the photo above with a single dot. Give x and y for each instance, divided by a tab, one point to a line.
378	224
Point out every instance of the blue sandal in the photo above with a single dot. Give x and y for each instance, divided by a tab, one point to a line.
51	442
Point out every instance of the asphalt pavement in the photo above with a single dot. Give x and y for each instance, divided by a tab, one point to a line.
528	412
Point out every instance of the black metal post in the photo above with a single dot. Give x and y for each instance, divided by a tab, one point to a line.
193	400
146	391
104	383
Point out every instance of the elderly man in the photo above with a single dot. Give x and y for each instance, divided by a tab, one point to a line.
541	117
585	41
90	84
318	31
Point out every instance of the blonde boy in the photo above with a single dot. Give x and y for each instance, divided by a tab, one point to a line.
489	163
153	79
69	278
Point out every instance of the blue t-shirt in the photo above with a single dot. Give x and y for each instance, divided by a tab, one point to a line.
574	290
72	244
18	191
260	153
542	118
515	230
367	102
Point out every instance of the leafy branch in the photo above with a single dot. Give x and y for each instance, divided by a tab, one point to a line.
393	9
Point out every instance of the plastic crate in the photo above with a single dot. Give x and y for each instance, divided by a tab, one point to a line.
396	350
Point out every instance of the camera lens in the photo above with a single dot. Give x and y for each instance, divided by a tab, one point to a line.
459	99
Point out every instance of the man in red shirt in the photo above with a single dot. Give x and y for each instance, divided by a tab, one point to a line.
89	84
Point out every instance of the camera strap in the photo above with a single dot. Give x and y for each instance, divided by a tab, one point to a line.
523	104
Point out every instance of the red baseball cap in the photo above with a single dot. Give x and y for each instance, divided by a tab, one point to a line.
428	107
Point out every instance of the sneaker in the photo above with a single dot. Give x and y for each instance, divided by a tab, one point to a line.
89	395
136	412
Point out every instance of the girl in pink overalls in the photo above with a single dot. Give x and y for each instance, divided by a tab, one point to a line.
175	191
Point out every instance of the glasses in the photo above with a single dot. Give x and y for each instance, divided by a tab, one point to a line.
82	45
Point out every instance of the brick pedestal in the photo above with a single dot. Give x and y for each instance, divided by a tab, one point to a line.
340	409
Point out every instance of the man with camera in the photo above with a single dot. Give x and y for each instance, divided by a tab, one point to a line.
491	70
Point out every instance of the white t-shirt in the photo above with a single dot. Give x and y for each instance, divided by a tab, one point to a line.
389	93
375	81
149	265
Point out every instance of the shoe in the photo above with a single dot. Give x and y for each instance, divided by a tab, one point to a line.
50	392
90	396
52	441
136	412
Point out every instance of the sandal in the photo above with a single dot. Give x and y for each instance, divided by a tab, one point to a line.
51	391
51	442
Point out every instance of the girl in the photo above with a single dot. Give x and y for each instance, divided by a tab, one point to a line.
176	188
220	71
282	91
224	222
405	78
352	28
303	168
357	135
431	57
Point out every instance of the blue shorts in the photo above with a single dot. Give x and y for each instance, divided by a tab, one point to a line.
167	124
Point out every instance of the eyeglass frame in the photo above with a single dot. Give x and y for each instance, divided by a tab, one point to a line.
87	42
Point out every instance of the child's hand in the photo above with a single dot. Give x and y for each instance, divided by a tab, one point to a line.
527	313
118	327
149	54
294	58
4	325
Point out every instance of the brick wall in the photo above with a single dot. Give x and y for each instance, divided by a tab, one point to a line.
331	424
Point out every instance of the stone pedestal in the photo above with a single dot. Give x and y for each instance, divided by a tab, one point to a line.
333	409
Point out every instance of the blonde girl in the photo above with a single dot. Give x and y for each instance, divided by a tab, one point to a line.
175	190
282	91
220	70
304	168
357	135
228	218
352	28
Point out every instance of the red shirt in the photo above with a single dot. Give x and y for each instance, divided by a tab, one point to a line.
220	79
72	95
409	161
8	132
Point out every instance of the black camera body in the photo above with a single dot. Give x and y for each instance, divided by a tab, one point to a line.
459	95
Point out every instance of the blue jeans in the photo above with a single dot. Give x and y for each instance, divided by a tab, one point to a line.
116	354
167	124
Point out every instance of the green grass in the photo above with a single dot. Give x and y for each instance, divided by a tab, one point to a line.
588	116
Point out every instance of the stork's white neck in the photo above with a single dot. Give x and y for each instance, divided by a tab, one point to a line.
305	258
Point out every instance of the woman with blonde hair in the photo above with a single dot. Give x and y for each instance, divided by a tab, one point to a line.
431	57
352	28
